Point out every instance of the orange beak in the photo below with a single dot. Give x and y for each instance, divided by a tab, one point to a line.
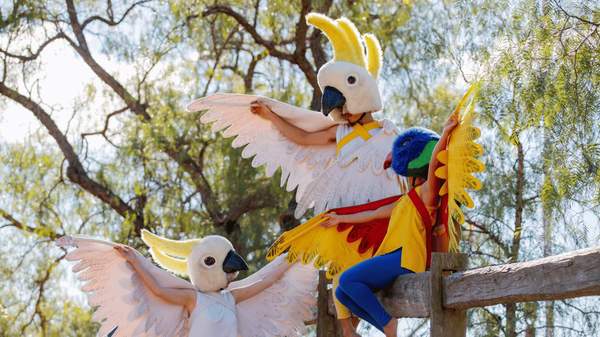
388	161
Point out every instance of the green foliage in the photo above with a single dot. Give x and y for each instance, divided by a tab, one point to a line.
538	63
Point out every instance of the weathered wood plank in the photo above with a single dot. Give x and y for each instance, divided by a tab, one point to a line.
327	325
445	322
573	274
409	296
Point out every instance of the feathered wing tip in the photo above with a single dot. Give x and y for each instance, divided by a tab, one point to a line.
374	54
348	44
459	164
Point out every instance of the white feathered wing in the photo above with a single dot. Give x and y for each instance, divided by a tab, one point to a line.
357	179
263	141
122	299
281	309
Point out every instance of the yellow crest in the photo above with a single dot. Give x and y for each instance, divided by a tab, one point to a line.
348	44
169	254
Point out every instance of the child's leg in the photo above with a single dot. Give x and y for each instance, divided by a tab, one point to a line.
355	308
359	282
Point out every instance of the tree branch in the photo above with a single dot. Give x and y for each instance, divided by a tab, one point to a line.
82	49
12	222
75	171
596	24
33	55
110	21
267	44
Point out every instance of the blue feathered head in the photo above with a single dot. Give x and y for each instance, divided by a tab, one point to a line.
412	150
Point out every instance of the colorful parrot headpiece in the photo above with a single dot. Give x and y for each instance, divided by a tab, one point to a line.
412	150
210	262
351	77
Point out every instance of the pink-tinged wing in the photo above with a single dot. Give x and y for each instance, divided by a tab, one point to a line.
120	298
283	308
261	140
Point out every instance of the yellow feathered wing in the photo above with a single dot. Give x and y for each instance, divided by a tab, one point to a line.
323	246
459	163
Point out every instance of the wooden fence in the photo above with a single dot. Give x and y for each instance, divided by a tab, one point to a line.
447	290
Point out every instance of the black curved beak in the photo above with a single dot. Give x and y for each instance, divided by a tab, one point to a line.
332	98
233	262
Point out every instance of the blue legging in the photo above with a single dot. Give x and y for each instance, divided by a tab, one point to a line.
358	283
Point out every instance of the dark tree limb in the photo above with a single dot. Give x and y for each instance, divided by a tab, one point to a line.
33	55
75	171
81	47
111	19
248	27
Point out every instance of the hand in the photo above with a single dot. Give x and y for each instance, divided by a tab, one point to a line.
127	253
331	220
451	123
261	109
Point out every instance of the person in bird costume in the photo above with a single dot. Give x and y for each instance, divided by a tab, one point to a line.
136	298
333	157
401	232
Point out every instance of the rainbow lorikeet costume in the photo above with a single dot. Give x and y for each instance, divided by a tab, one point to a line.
410	228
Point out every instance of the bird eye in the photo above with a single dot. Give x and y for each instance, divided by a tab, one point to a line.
351	80
209	261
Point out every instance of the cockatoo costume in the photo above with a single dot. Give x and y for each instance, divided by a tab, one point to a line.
345	173
126	307
346	245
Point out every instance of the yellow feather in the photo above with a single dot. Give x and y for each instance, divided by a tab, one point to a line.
442	172
355	46
374	54
444	189
178	266
323	247
460	162
335	35
180	249
347	43
443	157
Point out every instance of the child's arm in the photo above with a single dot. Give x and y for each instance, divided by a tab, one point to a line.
183	297
242	294
430	189
292	132
366	216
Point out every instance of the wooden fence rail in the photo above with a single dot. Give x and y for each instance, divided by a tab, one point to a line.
445	291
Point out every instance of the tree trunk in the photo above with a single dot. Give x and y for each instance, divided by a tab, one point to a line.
511	315
547	219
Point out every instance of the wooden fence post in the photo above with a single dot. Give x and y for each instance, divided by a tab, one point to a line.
445	322
327	325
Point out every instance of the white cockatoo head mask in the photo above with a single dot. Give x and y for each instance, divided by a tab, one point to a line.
210	262
349	80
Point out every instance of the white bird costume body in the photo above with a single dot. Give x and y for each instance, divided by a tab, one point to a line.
346	173
127	308
215	315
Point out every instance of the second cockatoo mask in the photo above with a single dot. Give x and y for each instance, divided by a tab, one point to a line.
350	79
210	262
